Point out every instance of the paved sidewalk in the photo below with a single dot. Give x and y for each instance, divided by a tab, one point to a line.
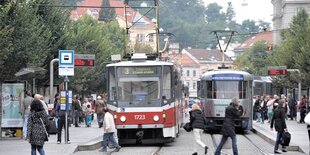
299	135
82	138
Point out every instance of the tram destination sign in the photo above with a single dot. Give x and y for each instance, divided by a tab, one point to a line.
138	70
224	77
277	70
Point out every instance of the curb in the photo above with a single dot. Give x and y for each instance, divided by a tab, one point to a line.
91	145
271	141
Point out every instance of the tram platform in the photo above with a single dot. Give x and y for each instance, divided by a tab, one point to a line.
299	135
82	138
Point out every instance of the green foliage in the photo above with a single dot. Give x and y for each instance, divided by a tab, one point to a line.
88	36
293	52
254	60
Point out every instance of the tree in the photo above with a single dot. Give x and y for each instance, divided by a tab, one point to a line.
88	36
107	14
254	60
293	52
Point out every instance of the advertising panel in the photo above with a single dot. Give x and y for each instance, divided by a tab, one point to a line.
12	98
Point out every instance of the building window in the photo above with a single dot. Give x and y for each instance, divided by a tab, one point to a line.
194	85
194	73
187	84
151	38
140	38
187	73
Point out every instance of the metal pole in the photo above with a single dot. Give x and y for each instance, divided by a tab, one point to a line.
66	80
299	82
52	79
33	85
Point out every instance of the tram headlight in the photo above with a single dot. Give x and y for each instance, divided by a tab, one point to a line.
123	118
156	118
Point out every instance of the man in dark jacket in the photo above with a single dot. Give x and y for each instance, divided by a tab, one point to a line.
278	119
292	106
228	129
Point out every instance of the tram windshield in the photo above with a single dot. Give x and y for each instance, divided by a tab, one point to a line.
137	86
226	89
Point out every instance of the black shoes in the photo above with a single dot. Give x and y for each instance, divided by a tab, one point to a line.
283	150
195	153
206	149
276	152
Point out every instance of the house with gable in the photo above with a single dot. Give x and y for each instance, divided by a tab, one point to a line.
195	62
140	28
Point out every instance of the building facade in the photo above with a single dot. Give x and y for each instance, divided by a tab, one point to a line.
283	13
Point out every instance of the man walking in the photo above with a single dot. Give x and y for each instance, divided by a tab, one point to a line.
109	129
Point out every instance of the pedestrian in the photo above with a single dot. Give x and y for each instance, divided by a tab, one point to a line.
100	104
263	105
270	108
87	110
257	108
37	127
228	129
25	111
61	115
108	132
292	106
278	119
198	123
302	108
76	106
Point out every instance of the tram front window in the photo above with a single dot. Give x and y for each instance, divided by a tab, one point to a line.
135	92
226	89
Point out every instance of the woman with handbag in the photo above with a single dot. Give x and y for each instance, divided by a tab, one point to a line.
198	124
37	127
278	119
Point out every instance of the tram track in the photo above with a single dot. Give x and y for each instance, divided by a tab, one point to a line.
250	145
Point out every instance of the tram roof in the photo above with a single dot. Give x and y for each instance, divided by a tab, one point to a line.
141	63
208	75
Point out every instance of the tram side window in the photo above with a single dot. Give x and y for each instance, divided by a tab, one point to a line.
112	84
209	90
167	82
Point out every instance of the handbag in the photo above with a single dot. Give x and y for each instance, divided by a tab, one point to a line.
286	138
187	127
46	137
307	118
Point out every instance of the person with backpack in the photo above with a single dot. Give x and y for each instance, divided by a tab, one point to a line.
198	124
278	121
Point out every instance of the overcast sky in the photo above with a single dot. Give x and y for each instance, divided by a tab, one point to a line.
254	10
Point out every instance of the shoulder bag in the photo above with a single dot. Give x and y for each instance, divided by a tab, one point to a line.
46	137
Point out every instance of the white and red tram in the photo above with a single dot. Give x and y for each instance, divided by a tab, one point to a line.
145	97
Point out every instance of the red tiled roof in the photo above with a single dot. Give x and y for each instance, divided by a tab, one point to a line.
187	61
120	12
262	36
208	55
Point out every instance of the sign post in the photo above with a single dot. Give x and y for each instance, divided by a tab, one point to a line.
66	68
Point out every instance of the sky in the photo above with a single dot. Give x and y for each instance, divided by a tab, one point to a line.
254	10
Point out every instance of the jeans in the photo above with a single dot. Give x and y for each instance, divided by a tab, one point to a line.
26	116
292	112
76	117
100	118
34	148
108	137
223	140
258	116
197	133
61	124
278	141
